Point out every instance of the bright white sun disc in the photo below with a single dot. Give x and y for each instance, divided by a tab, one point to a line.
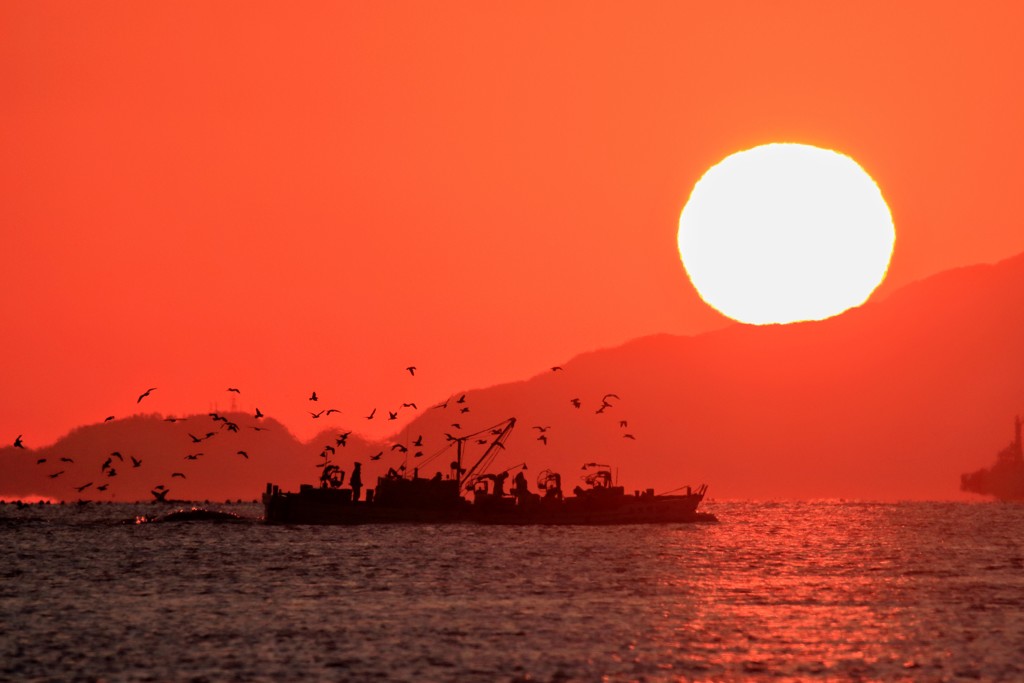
785	232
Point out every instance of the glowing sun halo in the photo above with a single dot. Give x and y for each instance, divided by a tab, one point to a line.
785	232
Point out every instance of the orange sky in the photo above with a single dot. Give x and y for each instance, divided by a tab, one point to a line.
287	197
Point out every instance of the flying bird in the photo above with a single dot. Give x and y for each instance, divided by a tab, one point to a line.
160	493
313	397
629	436
83	487
258	414
145	394
623	423
412	370
316	415
456	425
464	409
135	461
556	368
102	487
608	396
376	457
372	413
111	472
462	399
392	416
544	438
542	429
237	391
261	429
105	465
400	447
108	418
575	402
177	474
117	454
56	474
410	405
418	443
67	459
18	443
342	439
332	410
175	419
244	454
330	448
192	456
418	454
40	461
195	439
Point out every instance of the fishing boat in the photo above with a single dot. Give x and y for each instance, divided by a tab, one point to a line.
474	495
1005	478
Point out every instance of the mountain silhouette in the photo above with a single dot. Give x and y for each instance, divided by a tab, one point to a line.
889	401
893	400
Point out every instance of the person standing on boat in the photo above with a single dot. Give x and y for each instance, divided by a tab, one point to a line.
356	480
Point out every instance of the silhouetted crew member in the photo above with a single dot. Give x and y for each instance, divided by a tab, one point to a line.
356	480
499	483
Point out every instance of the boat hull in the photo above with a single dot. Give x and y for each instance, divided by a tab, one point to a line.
325	506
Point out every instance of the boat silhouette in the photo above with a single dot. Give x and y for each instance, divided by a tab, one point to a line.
475	495
1005	478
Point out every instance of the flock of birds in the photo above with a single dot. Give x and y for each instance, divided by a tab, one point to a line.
108	470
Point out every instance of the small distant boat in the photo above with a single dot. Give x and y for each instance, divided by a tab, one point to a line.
475	496
1005	479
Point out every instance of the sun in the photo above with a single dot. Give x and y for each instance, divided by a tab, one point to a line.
785	232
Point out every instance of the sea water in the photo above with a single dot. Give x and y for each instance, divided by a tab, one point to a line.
814	590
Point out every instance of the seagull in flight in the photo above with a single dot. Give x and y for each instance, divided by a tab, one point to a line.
18	443
372	413
145	394
56	474
418	443
117	454
556	368
543	438
316	415
83	487
410	405
108	418
177	474
244	454
623	423
376	457
575	402
195	439
412	370
40	461
542	429
103	487
342	439
392	416
462	399
629	436
67	459
160	493
313	397
237	391
332	410
258	414
135	461
192	456
400	447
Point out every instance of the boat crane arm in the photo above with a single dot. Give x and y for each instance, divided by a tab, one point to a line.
491	452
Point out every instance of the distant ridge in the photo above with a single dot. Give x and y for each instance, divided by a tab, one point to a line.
889	401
